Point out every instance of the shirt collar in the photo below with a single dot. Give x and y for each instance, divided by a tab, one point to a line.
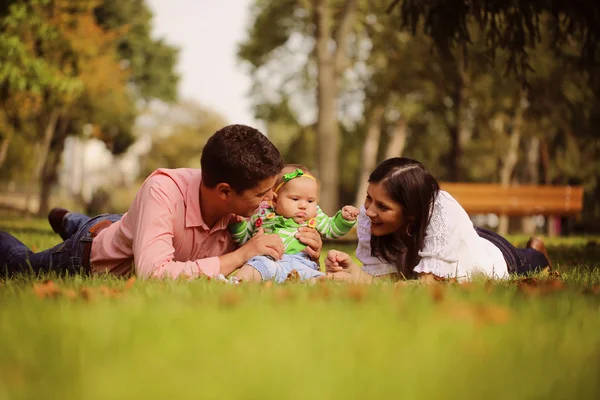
193	215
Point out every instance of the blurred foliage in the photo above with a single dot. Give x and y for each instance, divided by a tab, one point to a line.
72	66
178	136
514	27
461	109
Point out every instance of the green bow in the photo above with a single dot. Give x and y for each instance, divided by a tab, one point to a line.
292	175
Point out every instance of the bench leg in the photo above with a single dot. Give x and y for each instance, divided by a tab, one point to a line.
553	223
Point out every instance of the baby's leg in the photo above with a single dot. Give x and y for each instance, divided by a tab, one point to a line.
248	273
306	269
259	268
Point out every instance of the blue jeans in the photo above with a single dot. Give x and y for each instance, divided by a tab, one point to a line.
66	257
518	261
279	270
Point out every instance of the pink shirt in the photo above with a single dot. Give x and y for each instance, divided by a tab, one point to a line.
163	233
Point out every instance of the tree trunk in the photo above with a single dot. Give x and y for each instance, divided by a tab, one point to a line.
329	69
462	131
398	140
49	173
45	144
512	155
533	177
455	154
369	153
4	146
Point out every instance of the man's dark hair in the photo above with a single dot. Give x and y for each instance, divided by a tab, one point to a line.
240	156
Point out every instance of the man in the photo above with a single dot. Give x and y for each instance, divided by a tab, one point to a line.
177	223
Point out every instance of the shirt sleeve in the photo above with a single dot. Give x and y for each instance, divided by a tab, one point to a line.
372	265
439	255
153	250
332	227
242	232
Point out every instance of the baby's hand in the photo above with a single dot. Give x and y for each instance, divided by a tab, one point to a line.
236	219
349	213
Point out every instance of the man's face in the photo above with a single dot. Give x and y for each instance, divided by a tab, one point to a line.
247	202
297	199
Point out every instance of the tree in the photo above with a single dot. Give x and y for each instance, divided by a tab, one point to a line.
91	62
330	32
515	27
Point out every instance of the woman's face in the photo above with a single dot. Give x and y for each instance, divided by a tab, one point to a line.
385	214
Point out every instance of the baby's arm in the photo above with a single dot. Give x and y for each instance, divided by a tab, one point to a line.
241	232
333	227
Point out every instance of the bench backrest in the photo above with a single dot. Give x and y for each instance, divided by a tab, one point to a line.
521	200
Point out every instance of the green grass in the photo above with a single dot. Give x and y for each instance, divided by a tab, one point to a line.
204	339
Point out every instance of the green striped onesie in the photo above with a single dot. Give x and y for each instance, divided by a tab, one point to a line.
286	228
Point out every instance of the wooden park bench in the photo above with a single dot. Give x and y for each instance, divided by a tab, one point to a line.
517	200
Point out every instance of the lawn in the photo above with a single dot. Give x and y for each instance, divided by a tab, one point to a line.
103	338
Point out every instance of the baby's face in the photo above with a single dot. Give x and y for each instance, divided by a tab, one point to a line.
297	199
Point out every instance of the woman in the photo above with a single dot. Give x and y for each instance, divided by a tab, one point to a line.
425	233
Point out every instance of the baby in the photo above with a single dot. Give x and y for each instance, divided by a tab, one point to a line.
294	205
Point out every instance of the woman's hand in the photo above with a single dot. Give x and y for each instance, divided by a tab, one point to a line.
339	266
312	239
338	261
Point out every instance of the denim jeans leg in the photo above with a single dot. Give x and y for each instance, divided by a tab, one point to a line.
72	222
66	257
17	259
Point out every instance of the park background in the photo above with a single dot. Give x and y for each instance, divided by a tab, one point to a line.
96	94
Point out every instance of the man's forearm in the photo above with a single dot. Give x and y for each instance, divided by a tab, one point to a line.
232	261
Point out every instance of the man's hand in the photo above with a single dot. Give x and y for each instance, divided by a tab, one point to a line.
262	244
312	239
349	213
337	261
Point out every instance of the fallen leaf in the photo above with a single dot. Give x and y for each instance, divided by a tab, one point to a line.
46	289
86	293
130	282
268	285
283	294
292	277
357	292
437	293
229	299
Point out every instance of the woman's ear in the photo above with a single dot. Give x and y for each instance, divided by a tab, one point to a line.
274	200
223	190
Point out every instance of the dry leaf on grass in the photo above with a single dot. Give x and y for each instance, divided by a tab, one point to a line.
436	292
130	282
46	289
283	294
536	287
292	277
229	299
267	285
479	314
357	292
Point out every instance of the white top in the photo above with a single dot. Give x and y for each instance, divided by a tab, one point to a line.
372	265
452	248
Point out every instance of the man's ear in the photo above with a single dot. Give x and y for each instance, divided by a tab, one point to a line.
223	190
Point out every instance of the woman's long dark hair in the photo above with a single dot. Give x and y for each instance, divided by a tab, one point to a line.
409	184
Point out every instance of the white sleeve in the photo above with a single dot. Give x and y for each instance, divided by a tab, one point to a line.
371	265
439	255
